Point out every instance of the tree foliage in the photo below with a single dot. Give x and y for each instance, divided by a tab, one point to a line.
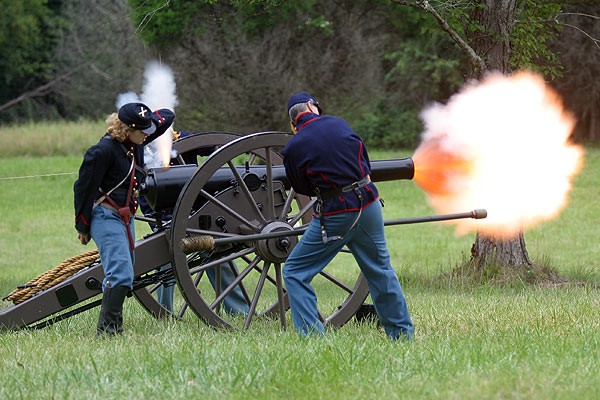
236	61
102	55
30	30
579	49
532	37
245	58
163	23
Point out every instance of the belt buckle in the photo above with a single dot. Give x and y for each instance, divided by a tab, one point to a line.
349	188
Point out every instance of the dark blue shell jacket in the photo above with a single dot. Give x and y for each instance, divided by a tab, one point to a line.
104	166
326	153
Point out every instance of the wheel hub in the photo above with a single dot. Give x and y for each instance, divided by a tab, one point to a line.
277	249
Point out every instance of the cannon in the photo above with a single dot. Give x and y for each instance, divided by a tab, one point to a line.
240	197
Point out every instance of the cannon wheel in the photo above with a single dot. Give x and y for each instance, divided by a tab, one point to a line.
145	294
247	208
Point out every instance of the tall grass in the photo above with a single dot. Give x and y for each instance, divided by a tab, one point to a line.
43	139
482	342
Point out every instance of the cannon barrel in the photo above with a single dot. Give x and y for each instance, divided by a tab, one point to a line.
162	186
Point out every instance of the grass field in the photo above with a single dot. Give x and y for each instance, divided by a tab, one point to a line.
490	341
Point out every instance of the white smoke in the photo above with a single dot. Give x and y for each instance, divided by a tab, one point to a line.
159	91
159	87
124	98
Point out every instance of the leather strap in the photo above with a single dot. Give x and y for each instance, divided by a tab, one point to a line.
125	211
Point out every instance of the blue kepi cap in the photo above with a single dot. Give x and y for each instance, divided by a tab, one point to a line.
301	97
137	116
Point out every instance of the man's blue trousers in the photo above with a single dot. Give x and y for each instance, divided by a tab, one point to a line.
366	241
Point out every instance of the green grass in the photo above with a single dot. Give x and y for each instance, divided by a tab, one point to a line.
479	344
49	138
482	342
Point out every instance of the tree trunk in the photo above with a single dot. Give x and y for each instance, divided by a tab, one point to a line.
497	19
487	250
493	44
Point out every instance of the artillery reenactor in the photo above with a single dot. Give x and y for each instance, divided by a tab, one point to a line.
106	200
348	213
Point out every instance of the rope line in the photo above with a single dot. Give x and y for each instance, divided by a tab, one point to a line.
8	178
54	276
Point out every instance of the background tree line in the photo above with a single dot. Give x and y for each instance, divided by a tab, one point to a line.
374	62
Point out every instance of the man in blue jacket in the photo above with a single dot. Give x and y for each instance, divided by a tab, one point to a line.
326	159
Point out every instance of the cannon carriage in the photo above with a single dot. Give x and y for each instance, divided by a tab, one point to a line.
235	208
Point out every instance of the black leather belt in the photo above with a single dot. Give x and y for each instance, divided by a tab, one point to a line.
329	194
354	187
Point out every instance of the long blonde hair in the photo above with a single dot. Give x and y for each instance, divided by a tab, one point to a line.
117	129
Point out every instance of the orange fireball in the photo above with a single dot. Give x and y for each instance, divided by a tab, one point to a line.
502	144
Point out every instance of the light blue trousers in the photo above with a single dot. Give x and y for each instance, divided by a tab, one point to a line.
110	235
366	241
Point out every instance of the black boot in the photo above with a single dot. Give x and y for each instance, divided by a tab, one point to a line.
110	321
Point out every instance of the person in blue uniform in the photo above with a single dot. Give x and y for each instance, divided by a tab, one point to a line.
328	160
105	197
234	302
